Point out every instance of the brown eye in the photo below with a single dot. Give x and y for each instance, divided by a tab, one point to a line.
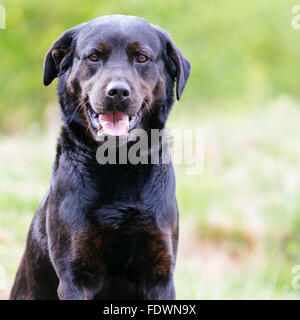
141	58
94	57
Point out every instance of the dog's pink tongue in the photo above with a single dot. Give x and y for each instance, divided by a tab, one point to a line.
114	123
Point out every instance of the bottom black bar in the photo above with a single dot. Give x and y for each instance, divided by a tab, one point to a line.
180	309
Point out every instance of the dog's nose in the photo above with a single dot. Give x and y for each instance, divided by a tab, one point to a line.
118	90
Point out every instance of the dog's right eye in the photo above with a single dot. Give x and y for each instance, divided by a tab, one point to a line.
94	57
141	58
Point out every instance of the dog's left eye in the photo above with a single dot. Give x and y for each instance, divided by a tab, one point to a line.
94	57
141	58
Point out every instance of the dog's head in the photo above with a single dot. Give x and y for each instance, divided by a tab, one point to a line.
114	72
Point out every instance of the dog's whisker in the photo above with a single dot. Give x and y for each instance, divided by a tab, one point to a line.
79	106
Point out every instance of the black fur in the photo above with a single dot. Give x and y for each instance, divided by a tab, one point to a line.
105	231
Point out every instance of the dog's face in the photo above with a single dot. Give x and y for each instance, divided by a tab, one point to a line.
113	70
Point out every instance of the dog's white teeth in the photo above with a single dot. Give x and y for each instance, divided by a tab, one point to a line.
133	120
93	113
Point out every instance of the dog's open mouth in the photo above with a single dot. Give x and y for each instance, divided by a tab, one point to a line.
114	123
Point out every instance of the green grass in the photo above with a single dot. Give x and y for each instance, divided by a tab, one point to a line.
239	235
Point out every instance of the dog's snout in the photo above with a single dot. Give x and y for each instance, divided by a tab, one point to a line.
118	90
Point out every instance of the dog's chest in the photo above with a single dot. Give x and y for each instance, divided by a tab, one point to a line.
133	253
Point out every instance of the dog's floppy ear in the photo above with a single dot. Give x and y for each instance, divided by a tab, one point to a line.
179	67
59	57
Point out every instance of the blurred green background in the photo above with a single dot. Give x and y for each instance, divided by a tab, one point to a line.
240	218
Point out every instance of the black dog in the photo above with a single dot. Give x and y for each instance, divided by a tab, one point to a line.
107	231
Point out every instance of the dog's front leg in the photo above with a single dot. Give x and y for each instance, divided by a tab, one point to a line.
77	279
159	291
72	254
75	283
68	290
